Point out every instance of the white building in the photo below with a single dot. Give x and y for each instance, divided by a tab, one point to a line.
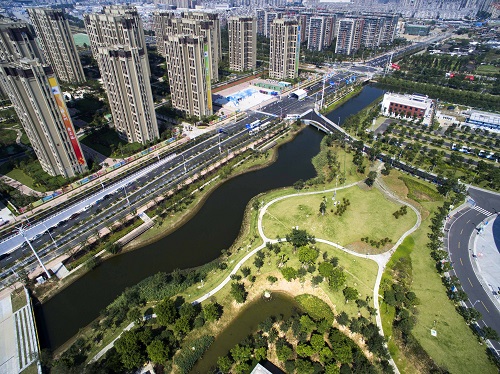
484	119
408	107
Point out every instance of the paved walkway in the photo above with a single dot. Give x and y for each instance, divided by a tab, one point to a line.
487	256
381	259
9	361
21	187
19	341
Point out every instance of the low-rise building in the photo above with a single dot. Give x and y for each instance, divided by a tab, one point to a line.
484	119
408	107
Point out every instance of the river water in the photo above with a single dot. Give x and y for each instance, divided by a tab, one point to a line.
200	240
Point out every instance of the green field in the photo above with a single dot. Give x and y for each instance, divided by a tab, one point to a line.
369	214
455	348
487	70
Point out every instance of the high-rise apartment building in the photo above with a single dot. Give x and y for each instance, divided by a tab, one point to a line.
202	24
35	95
56	40
118	44
242	43
348	35
17	40
189	74
161	27
260	14
270	17
316	33
368	30
284	49
32	87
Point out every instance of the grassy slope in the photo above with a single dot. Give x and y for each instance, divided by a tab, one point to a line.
370	214
455	347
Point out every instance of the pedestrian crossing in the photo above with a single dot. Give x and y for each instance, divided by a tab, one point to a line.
483	211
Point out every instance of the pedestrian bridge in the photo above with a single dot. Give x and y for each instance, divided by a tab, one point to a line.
314	118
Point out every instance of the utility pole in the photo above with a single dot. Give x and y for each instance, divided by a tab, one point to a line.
21	231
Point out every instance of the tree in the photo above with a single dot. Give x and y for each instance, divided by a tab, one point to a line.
212	311
317	342
241	353
130	350
245	270
342	353
326	269
284	352
343	319
322	208
158	351
182	325
337	280
189	311
350	293
134	315
372	175
304	367
258	262
307	255
332	369
166	312
300	238
307	324
238	292
299	184
489	333
305	350
224	364
289	273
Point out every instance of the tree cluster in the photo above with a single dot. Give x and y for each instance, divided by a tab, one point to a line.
342	206
304	345
400	212
376	243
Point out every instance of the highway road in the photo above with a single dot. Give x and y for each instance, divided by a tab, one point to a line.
77	222
459	229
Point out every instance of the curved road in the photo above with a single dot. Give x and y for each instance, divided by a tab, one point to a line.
460	227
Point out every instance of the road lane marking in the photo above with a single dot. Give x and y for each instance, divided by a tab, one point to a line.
470	282
485	307
458	244
461	231
468	221
461	261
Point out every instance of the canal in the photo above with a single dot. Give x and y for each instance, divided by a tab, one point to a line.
200	240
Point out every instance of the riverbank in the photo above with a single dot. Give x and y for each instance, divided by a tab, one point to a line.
182	248
199	190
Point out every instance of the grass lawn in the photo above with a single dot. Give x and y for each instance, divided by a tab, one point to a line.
20	176
487	70
104	142
370	214
455	347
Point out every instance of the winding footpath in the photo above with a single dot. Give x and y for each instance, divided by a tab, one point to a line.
381	259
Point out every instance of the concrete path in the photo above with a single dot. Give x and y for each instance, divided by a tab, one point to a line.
381	259
21	187
9	360
486	256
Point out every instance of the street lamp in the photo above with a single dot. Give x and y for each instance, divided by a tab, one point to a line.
49	233
21	231
126	195
184	162
474	303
